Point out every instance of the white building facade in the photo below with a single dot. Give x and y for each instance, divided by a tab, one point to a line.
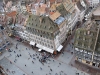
93	3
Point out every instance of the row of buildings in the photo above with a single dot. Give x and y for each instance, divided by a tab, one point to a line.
44	24
48	31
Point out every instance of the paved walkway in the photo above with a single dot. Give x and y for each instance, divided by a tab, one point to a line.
24	62
10	67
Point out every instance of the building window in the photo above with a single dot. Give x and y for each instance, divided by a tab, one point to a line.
51	46
37	41
45	44
40	35
47	41
50	42
44	40
42	43
48	45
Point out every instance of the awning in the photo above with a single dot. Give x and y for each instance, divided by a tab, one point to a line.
39	46
45	48
32	43
59	48
76	49
48	49
39	49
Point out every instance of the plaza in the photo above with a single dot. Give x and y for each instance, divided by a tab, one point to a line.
27	64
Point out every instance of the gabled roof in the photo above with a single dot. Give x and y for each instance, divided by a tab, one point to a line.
53	6
86	38
66	8
69	7
55	16
42	23
62	9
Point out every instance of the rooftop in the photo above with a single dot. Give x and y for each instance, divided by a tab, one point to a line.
86	38
43	23
97	12
62	9
55	15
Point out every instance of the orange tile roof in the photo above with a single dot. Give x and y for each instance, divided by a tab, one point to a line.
55	15
11	14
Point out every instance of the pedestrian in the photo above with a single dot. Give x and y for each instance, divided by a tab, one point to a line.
34	58
20	55
7	70
72	43
59	63
53	60
10	62
26	48
28	58
71	64
16	47
32	71
36	54
50	69
17	55
14	61
10	55
40	68
48	66
25	65
49	73
31	56
32	61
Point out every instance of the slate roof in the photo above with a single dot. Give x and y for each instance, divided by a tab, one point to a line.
66	8
88	38
62	9
42	25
